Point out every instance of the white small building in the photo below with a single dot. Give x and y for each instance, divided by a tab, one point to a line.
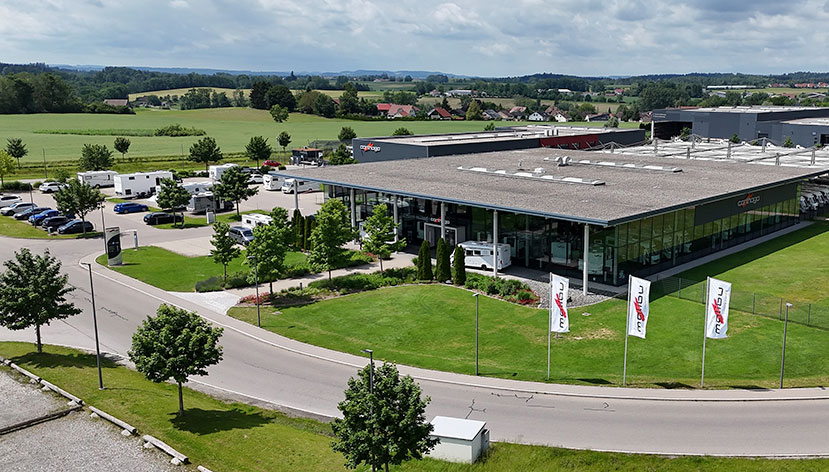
141	184
215	172
461	440
98	178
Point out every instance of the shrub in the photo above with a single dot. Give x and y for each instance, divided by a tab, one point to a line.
238	280
16	186
178	130
459	266
282	167
360	282
213	284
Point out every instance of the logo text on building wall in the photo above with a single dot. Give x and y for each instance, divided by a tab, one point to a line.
750	199
370	147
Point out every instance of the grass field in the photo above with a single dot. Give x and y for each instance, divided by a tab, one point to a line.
182	91
170	271
233	436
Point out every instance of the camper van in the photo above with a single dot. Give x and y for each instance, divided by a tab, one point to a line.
479	254
98	178
198	187
206	201
288	186
253	220
272	182
140	184
215	172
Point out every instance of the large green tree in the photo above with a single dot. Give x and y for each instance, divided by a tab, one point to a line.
282	96
279	113
205	151
122	145
384	420
341	156
346	134
78	198
33	292
442	270
172	197
269	246
234	187
258	149
175	344
16	149
379	240
95	157
473	112
224	247
6	166
284	139
332	231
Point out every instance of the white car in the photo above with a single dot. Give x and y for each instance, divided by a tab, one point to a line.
49	187
255	178
16	208
9	200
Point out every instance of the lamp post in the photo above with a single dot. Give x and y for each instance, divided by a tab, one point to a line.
256	280
476	331
785	328
370	390
95	327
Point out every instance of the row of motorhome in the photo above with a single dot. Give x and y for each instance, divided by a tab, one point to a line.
138	184
814	199
287	185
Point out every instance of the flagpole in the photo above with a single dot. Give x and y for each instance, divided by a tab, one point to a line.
627	327
549	325
705	329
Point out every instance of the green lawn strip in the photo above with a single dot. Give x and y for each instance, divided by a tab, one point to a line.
234	436
23	229
433	326
168	270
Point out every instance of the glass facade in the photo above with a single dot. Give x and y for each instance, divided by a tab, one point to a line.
640	247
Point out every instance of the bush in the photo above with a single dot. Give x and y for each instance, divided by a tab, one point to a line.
360	282
16	186
508	289
238	280
178	130
213	284
282	167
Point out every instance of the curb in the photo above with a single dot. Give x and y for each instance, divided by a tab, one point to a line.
33	377
61	391
38	420
177	457
127	428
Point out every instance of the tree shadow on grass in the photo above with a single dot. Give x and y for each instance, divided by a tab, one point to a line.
595	381
504	375
48	360
673	385
753	388
199	421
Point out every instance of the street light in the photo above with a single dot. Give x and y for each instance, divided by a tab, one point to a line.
476	332
785	328
95	326
256	279
370	390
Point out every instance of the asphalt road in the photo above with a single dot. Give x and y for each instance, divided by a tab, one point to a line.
269	368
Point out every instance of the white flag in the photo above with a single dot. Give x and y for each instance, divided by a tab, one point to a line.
559	291
638	306
716	311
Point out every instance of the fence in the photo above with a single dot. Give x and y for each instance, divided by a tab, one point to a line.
770	306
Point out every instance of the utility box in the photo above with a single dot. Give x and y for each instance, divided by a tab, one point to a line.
211	217
461	440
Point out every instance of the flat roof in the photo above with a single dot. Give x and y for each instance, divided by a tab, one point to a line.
824	121
750	109
505	134
456	428
595	193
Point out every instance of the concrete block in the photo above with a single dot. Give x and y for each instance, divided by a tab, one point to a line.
94	415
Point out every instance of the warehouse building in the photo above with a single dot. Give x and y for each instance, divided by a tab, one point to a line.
622	214
502	139
806	126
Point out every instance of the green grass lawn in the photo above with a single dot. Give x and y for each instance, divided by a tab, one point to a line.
170	271
23	229
224	436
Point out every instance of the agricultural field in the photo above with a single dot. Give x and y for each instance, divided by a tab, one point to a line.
182	91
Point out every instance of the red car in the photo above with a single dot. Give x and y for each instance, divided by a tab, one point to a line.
271	163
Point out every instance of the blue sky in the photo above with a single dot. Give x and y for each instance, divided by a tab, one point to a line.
484	37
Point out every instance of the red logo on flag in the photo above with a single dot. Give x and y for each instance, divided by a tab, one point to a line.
639	315
718	313
560	307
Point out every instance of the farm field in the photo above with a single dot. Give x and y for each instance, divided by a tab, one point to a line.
182	91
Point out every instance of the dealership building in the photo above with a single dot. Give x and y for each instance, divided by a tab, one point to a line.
597	216
502	139
806	126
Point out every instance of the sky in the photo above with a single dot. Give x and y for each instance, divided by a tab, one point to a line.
477	38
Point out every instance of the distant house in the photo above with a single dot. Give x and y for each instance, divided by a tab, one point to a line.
564	90
434	93
142	101
401	111
439	113
518	113
383	108
504	115
597	117
117	102
491	115
561	116
646	117
538	116
458	93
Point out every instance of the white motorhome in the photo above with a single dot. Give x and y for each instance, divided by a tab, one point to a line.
272	182
98	178
294	185
215	172
198	187
253	220
140	184
206	201
479	254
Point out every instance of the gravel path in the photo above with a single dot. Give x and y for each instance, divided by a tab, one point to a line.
20	402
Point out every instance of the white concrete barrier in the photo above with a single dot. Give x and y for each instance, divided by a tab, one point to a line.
178	458
121	424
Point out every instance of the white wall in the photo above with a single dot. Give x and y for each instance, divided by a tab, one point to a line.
456	450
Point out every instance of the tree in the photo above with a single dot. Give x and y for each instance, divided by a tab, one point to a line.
402	132
172	197
442	271
613	122
282	96
205	151
489	126
341	156
333	229
258	149
224	247
269	246
234	187
175	344
297	229
6	166
306	235
95	157
384	420
474	111
736	139
122	145
788	143
258	93
324	106
279	113
379	240
78	198
16	149
346	134
424	262
459	262
284	139
33	292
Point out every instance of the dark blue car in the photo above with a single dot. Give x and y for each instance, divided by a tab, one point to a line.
75	226
31	211
37	219
130	207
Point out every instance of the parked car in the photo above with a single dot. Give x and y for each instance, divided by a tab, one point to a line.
49	187
16	208
130	207
54	222
161	217
24	215
37	219
255	178
9	200
271	163
241	234
75	227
